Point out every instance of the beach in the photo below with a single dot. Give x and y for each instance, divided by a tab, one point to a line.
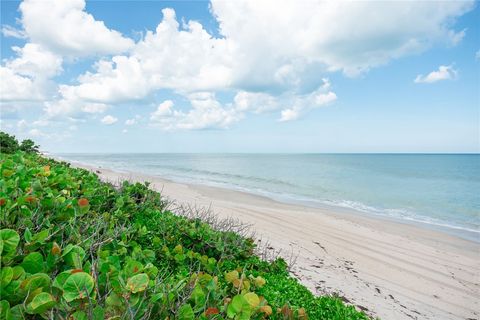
389	269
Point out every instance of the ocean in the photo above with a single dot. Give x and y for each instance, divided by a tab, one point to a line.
440	191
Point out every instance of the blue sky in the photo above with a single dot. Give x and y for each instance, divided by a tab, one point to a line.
246	76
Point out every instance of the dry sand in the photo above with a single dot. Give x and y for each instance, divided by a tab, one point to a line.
389	269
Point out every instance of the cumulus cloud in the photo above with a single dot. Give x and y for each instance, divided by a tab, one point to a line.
27	77
54	29
443	73
271	56
108	120
71	106
66	28
206	112
170	58
164	110
271	36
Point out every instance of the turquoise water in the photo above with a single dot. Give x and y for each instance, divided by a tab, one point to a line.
439	191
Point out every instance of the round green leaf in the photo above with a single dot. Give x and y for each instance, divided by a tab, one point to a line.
133	267
6	275
4	309
73	256
137	283
113	300
41	303
252	299
18	273
12	291
38	280
33	263
27	235
231	276
198	296
78	286
98	313
79	315
10	239
17	312
186	312
238	307
61	278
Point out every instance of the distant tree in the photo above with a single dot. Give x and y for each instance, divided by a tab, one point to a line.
8	143
28	145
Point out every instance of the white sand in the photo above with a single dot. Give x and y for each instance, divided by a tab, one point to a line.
393	270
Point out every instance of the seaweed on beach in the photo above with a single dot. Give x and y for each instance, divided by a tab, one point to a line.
74	247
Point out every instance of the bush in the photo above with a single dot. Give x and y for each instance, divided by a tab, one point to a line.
8	143
74	247
28	145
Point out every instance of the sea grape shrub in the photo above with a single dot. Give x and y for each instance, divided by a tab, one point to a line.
74	247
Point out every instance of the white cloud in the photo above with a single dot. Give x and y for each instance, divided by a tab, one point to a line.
292	105
35	61
36	133
477	55
272	55
132	121
108	120
27	77
66	28
301	104
16	87
164	110
443	73
270	36
71	106
206	112
121	79
54	28
9	31
95	107
255	102
170	58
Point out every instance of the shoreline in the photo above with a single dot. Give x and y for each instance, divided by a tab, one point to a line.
455	231
390	269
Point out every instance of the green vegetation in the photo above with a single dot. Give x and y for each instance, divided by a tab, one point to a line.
9	144
73	247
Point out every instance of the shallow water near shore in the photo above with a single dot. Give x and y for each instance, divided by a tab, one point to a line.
435	190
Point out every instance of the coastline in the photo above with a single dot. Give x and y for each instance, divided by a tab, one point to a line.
392	270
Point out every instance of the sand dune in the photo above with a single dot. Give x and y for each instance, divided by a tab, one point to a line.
389	269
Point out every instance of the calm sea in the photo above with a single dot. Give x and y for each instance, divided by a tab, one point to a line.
439	191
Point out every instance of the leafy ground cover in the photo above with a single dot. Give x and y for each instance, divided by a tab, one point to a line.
73	247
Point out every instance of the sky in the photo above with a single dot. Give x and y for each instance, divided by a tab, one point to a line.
242	76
